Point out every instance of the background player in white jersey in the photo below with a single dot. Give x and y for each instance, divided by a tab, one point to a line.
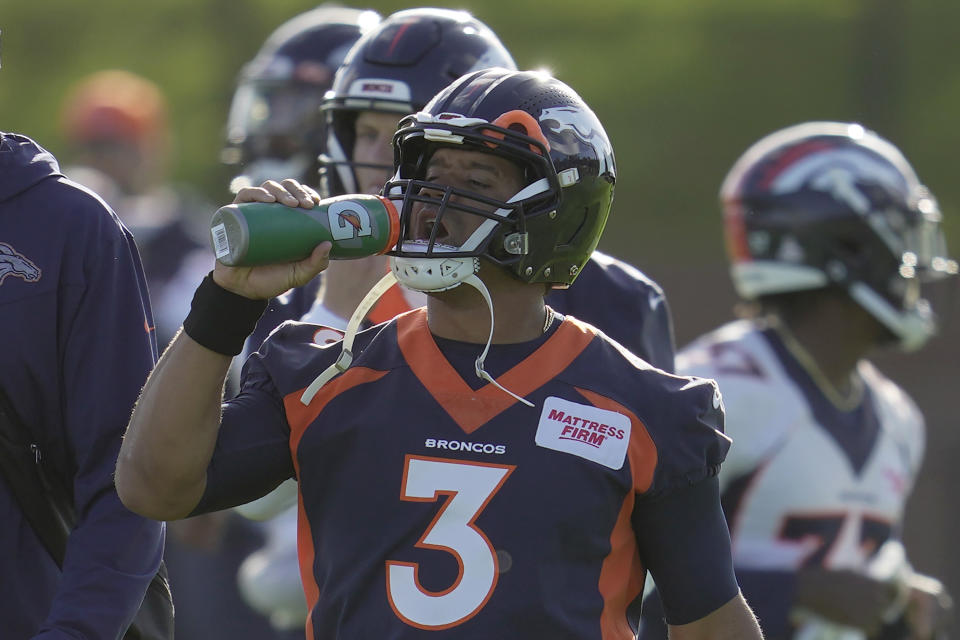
831	237
566	466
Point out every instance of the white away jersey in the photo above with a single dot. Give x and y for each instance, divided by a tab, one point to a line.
806	483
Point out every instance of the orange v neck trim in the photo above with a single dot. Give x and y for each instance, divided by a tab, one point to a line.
471	409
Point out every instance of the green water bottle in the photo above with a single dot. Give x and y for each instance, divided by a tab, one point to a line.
254	233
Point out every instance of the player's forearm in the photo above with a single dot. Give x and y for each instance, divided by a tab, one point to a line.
732	621
844	596
161	471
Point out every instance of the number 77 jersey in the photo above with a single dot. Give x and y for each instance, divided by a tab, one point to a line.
810	481
429	508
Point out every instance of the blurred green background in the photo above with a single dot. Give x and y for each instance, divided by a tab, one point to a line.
682	86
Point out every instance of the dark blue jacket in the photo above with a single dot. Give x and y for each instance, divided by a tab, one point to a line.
77	342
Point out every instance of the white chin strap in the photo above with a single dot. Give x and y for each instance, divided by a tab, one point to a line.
477	284
346	354
420	270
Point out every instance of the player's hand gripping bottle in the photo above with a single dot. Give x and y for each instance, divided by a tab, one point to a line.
254	233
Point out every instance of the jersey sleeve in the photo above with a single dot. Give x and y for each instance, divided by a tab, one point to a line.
252	454
687	432
685	545
625	304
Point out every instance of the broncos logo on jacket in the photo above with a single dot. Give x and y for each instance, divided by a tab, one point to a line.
14	263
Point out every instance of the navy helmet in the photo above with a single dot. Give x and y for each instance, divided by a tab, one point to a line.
832	204
547	231
275	128
397	68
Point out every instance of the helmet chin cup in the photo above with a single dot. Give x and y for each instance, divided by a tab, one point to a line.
434	274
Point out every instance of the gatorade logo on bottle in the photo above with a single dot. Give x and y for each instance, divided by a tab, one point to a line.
347	220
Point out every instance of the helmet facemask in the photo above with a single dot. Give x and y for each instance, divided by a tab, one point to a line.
897	296
274	128
337	165
499	227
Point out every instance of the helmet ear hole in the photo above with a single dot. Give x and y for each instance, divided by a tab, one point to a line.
580	220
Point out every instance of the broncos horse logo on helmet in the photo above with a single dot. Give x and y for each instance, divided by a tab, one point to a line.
16	264
570	121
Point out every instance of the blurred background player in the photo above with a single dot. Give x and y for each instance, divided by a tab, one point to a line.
833	241
275	130
116	126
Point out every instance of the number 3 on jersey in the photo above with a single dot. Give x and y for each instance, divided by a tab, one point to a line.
469	487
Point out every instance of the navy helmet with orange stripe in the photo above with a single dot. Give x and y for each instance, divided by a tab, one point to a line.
547	230
397	68
832	204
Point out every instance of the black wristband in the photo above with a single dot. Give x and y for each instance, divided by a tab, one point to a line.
221	320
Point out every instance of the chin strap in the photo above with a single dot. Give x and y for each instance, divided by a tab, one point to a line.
346	355
477	284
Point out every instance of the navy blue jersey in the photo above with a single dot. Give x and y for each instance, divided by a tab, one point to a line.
610	294
625	304
431	501
77	344
289	306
